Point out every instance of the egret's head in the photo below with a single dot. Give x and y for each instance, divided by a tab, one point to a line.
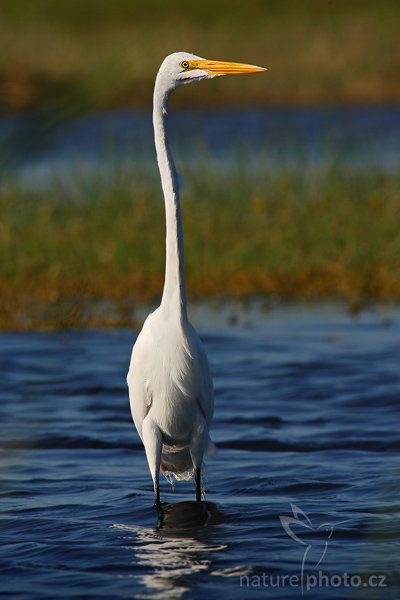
182	67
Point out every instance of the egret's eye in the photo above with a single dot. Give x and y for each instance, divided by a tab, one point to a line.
185	65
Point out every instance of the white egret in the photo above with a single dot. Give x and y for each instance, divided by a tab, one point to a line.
170	387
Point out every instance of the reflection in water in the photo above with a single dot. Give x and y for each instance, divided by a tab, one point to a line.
176	549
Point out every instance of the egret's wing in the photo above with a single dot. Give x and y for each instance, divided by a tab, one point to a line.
206	389
139	392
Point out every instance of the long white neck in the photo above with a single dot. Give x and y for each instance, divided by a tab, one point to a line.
174	294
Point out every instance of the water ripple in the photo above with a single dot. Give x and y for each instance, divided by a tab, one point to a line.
306	425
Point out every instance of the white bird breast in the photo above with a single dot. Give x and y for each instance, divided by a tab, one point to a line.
169	378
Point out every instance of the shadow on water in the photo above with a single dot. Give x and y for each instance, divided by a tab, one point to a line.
177	549
189	516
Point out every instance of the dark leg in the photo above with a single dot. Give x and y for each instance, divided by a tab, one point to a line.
157	505
157	502
197	478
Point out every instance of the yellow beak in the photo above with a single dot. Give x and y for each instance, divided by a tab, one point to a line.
220	67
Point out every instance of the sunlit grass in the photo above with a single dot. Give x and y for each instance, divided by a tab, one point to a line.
297	234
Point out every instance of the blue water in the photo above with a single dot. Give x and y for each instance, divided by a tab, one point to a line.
46	148
307	426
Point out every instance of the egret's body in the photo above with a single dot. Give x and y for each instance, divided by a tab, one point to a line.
170	387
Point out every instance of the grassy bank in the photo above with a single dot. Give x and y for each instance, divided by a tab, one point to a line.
98	54
298	234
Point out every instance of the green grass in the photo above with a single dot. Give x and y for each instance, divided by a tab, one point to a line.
97	54
298	234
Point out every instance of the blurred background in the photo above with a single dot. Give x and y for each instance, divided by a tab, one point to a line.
290	179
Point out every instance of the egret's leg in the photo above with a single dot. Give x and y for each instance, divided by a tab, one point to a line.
152	441
196	448
157	502
197	478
